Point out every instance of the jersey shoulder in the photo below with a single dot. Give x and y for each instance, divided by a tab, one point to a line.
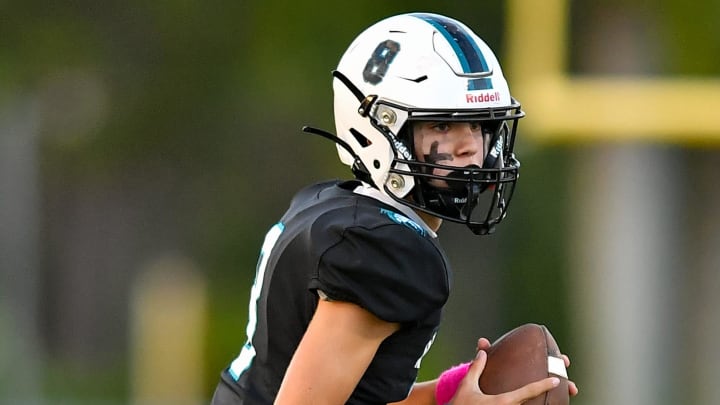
371	254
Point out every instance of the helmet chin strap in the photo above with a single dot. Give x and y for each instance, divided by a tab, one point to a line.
358	168
456	200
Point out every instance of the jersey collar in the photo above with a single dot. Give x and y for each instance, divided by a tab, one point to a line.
370	191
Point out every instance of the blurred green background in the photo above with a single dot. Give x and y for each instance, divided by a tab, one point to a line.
136	134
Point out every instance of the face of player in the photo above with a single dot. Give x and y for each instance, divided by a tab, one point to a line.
458	144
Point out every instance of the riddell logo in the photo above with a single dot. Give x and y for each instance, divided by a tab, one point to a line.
482	98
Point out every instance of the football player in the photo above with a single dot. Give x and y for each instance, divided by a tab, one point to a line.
351	282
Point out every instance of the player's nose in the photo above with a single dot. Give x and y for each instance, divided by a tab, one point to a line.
468	144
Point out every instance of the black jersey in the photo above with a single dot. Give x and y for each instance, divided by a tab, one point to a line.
349	247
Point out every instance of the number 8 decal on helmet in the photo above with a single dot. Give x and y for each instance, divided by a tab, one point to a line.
423	67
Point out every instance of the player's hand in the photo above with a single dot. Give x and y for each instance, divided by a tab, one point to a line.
484	344
572	387
469	391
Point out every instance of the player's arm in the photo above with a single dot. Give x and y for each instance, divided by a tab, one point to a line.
334	353
422	393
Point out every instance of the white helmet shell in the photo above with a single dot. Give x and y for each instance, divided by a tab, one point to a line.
417	61
422	66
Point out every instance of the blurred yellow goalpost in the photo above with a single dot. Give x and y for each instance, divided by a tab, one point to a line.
563	108
625	245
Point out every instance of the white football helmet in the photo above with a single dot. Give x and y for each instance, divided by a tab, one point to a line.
422	66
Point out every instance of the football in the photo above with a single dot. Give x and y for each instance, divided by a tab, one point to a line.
526	354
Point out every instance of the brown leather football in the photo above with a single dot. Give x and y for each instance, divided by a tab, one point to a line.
526	354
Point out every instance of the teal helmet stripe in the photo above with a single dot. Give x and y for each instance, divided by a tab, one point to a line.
468	53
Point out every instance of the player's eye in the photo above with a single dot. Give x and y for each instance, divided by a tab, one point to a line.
441	126
476	126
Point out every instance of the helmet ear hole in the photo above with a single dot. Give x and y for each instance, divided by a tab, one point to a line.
360	138
376	163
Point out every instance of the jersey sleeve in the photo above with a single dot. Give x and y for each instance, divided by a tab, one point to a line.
389	270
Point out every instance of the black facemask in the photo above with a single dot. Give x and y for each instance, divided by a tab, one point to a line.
458	198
